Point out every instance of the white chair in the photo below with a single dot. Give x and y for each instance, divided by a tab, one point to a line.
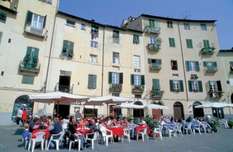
92	137
197	128
158	131
106	134
77	140
171	132
39	138
126	134
188	128
143	134
57	138
179	129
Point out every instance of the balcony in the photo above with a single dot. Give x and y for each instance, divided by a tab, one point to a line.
64	88
207	51
115	88
10	4
156	94
153	47
155	66
37	32
29	68
215	94
152	30
138	89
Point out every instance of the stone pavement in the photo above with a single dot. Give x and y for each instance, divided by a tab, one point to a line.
216	142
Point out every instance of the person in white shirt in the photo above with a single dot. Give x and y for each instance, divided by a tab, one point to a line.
19	116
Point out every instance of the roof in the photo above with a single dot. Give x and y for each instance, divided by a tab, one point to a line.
176	19
96	23
8	10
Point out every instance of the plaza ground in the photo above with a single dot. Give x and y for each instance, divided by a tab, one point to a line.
216	142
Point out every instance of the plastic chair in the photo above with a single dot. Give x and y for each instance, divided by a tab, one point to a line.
77	140
57	138
179	128
126	134
188	128
39	138
92	137
143	134
158	131
106	134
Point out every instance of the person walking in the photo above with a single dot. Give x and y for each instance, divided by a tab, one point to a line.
19	116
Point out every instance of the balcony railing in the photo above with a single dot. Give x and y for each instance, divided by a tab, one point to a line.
155	66
156	94
38	32
23	68
138	89
115	88
11	4
153	47
207	50
151	29
215	93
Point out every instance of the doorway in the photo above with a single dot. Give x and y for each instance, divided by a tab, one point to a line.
232	98
64	83
197	112
178	111
138	113
62	111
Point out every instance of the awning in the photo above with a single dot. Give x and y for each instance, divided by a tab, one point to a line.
107	100
214	105
57	97
143	106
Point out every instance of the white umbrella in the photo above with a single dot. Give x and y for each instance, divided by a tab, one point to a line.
156	106
214	105
130	106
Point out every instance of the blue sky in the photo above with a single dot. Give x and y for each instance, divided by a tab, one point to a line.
114	11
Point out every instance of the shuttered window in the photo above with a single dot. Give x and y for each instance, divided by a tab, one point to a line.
136	39
206	43
68	48
30	60
195	86
192	66
115	78
172	42
35	21
189	43
176	86
92	81
155	84
136	62
203	27
137	80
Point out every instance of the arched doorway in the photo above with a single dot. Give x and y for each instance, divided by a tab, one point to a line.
157	113
178	111
232	98
197	112
138	113
22	101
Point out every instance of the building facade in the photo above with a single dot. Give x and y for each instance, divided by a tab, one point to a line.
174	62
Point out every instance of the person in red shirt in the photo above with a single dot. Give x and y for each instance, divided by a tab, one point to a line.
24	116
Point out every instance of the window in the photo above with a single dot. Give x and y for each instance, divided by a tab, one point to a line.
136	39
115	78
137	80
2	17
206	43
195	86
46	1
169	24
30	60
192	66
152	40
186	26
136	62
174	65
83	27
176	86
93	59
116	36
67	49
203	27
116	58
172	42
27	79
210	66
70	23
151	23
94	44
92	81
35	21
215	86
189	43
94	32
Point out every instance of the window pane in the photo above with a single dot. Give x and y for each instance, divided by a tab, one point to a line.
116	58
171	42
203	27
27	79
136	62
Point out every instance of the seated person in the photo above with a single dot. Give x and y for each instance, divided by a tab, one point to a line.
56	127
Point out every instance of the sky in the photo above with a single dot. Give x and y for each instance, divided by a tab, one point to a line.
114	11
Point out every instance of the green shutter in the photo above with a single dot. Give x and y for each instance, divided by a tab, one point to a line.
44	23
200	88
2	17
171	85
187	65
28	18
206	43
110	77
197	66
89	82
190	86
121	78
132	79
156	85
143	80
172	42
181	86
34	54
189	43
151	23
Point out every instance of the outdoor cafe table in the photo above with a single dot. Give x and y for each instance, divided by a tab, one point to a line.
117	131
83	131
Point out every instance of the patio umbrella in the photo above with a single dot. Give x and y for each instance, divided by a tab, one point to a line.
155	106
214	105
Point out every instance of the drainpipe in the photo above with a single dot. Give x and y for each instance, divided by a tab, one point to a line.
50	49
102	70
183	63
